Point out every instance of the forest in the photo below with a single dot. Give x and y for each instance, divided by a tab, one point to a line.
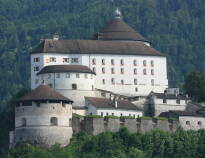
175	27
153	144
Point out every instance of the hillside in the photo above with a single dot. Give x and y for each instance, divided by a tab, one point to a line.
175	27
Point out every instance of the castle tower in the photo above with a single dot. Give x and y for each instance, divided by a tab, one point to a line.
43	117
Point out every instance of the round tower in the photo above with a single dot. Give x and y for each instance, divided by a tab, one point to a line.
43	117
73	81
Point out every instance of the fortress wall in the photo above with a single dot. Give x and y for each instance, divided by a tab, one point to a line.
95	126
44	136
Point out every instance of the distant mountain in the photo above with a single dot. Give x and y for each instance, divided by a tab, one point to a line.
175	27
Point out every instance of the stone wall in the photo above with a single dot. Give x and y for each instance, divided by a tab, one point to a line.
96	126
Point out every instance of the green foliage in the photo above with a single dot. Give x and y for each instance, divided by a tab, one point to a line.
175	27
122	144
111	116
161	118
195	85
77	115
145	118
127	117
93	116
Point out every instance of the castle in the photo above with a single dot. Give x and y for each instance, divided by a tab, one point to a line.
116	73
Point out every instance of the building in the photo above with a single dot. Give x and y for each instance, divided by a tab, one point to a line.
42	117
122	59
107	107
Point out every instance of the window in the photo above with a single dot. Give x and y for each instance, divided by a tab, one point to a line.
101	113
122	82
94	61
121	62
152	72
164	100
36	68
112	62
135	71
112	114
103	70
77	75
57	75
67	75
54	121
36	59
144	63
122	70
135	62
65	60
152	82
94	70
74	86
135	81
103	61
86	75
74	60
136	89
107	113
121	115
52	59
113	81
63	105
199	123
103	81
187	122
152	63
112	70
144	71
178	101
23	122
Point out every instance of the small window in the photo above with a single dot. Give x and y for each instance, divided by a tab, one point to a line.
65	60
122	70
112	70
152	63
135	62
178	101
103	70
144	63
54	121
187	122
135	81
199	123
94	61
23	122
112	80
103	81
121	62
36	59
144	71
86	75
94	70
101	113
67	75
112	114
112	62
63	105
36	68
57	75
122	82
121	115
52	59
136	89
164	100
107	113
103	61
152	72
77	75
74	86
135	71
152	82
74	60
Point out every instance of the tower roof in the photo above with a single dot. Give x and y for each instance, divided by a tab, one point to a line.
44	93
117	29
65	68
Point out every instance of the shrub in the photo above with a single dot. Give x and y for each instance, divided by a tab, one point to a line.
161	118
93	116
146	118
112	117
77	116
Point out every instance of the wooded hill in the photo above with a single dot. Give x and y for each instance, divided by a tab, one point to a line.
175	27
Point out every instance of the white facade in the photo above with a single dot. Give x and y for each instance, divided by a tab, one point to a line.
122	74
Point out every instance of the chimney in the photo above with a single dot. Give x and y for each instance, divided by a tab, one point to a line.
56	37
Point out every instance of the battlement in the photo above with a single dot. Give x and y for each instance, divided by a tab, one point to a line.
96	126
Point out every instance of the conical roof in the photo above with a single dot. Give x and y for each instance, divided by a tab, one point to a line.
44	93
117	29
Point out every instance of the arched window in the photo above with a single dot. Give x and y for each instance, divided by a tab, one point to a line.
74	86
144	71
23	122
103	61
144	63
54	121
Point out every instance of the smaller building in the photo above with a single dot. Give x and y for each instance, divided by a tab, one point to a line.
162	102
43	117
107	107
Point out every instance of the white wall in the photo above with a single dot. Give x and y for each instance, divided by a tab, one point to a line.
193	122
